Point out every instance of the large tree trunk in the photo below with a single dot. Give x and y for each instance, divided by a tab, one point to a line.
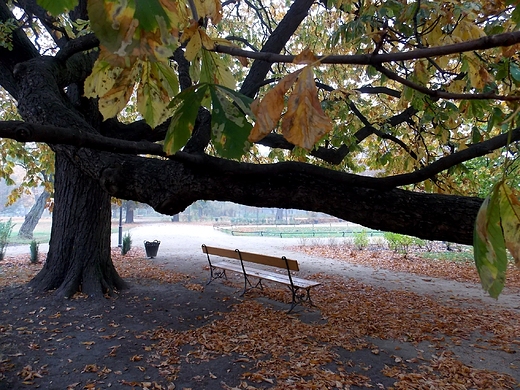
79	256
79	251
33	216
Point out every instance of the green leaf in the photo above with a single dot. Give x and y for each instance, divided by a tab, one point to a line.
244	102
515	16
229	126
186	106
515	71
215	71
476	137
158	85
149	12
496	117
101	24
56	7
510	220
489	245
502	70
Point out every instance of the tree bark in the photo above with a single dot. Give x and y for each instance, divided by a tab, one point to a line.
33	216
79	248
176	185
79	256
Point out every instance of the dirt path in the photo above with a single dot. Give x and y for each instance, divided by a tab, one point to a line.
180	249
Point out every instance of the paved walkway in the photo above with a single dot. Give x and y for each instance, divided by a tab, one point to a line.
180	249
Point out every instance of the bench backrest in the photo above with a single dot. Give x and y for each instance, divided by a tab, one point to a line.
279	262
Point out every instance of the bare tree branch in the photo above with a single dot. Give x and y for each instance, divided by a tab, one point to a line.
442	94
276	42
484	43
85	42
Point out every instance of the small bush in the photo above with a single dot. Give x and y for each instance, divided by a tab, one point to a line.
361	240
398	242
423	244
5	232
127	244
34	251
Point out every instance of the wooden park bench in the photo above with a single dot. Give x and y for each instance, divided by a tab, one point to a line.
296	285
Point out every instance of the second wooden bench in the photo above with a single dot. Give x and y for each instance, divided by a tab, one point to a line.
295	284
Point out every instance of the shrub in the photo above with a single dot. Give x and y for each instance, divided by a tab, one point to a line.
34	251
5	232
361	240
127	244
398	242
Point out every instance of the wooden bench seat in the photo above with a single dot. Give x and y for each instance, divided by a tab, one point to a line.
243	266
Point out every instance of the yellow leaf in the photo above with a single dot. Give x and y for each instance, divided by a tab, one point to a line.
474	75
189	31
193	46
305	123
269	109
211	9
157	87
421	71
221	73
305	57
112	102
510	220
207	42
102	79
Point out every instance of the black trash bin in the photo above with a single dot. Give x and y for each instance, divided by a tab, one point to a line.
151	248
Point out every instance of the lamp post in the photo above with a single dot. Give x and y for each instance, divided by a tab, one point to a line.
120	242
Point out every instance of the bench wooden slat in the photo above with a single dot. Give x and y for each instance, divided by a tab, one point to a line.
267	275
252	257
294	283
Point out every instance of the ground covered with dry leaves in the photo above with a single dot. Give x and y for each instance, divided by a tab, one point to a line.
171	331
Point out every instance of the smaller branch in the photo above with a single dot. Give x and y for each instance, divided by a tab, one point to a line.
441	94
193	9
85	42
377	90
243	40
366	89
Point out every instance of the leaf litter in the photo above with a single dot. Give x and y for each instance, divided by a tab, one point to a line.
138	340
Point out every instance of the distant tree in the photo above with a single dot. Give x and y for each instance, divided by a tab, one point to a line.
33	216
129	211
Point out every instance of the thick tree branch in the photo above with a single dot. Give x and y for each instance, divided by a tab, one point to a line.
170	186
23	50
484	43
276	42
25	132
76	137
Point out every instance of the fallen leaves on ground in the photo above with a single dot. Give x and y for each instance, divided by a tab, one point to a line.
291	354
410	263
266	347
